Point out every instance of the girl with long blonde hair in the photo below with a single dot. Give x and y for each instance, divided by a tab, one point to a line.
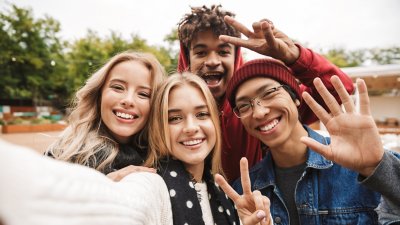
108	124
185	147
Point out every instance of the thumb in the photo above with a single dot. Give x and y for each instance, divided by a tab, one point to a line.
317	147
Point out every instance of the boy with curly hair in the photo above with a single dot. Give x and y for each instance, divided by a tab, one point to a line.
210	41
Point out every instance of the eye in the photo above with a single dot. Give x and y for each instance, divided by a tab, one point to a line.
203	115
224	52
174	119
200	53
144	94
243	107
117	87
269	93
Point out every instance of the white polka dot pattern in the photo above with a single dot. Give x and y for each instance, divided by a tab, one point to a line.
172	193
173	174
189	204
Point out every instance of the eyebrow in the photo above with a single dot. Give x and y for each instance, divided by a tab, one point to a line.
199	107
124	82
258	91
223	45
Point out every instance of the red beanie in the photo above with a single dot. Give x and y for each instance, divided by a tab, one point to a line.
266	67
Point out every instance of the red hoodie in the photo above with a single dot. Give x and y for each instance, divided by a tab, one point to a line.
237	143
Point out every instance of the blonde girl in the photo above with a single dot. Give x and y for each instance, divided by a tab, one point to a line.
108	123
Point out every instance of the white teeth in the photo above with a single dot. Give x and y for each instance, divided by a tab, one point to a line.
212	74
269	126
192	142
124	115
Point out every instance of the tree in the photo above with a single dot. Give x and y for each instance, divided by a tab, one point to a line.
89	53
30	49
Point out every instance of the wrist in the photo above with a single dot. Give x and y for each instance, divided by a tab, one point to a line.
292	55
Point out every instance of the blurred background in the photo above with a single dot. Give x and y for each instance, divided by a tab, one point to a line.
49	48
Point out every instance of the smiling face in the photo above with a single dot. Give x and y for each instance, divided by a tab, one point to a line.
274	123
125	99
191	129
213	60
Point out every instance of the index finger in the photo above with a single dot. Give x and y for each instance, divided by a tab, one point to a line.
244	176
238	26
235	41
232	194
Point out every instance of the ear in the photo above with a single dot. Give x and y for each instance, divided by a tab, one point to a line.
297	102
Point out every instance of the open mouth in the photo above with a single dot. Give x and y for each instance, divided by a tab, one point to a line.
212	79
269	126
125	116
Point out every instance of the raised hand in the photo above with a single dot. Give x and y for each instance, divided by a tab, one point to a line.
265	39
252	207
355	141
121	173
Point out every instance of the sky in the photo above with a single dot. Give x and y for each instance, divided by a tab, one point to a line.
320	24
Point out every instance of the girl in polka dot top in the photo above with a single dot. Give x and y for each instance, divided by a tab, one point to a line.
185	147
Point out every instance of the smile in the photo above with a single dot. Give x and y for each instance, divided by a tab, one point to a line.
192	142
212	79
269	126
126	115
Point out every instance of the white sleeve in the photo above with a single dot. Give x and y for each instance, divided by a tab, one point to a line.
35	189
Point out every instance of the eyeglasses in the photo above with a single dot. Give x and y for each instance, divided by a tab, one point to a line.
246	108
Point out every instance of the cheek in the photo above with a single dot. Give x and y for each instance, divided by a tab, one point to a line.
195	64
144	108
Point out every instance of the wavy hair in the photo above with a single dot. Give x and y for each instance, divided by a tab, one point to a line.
86	140
202	19
159	136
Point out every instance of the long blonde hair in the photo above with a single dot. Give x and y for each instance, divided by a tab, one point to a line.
86	141
159	136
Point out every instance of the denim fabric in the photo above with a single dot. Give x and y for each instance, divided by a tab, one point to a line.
325	194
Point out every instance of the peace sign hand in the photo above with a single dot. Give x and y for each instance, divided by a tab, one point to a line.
265	39
355	141
252	207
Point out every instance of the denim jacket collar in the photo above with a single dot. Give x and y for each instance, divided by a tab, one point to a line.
266	174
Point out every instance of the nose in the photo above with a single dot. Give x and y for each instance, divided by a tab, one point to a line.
213	60
128	101
191	126
259	111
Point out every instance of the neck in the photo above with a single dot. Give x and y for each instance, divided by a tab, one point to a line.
292	152
196	171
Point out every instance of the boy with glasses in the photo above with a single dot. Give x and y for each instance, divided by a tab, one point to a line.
309	178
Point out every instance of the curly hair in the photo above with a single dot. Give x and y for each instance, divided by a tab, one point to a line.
202	19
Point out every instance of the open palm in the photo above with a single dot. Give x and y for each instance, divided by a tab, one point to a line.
355	141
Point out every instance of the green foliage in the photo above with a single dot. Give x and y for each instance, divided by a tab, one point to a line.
28	46
344	58
36	64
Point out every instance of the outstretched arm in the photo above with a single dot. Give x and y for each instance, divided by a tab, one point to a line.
355	141
252	207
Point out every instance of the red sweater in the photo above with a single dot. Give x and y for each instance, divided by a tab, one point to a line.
237	143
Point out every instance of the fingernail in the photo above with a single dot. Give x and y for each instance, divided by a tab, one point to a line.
260	214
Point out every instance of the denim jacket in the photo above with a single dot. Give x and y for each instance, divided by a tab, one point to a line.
326	193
